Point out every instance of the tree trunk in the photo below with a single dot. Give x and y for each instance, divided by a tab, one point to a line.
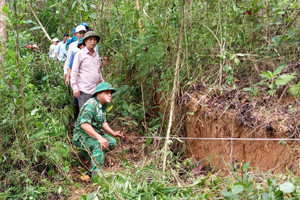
175	88
108	10
268	22
102	26
24	137
3	34
139	22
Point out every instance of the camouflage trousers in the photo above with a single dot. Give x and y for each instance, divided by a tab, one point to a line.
92	150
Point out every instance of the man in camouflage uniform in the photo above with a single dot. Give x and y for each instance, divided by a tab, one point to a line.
91	124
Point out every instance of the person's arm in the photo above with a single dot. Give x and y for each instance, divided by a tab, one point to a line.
67	62
57	51
101	79
74	75
107	129
103	62
91	132
50	50
72	60
67	80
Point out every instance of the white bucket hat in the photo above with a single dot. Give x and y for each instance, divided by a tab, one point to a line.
80	28
55	40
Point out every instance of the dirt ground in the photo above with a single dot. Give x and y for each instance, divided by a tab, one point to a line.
236	114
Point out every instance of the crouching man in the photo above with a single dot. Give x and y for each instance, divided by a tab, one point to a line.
90	126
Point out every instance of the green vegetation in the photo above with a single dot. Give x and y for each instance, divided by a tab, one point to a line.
223	42
273	81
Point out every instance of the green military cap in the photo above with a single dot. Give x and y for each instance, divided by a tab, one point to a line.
91	34
103	87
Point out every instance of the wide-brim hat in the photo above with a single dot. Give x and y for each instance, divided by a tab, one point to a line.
91	34
80	42
103	87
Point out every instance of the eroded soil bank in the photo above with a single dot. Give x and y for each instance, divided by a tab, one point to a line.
236	114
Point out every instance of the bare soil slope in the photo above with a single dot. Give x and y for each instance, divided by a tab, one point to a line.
236	114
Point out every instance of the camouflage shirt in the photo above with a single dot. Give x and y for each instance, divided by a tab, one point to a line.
92	112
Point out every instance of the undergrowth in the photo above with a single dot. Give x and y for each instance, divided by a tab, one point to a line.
223	42
30	162
145	180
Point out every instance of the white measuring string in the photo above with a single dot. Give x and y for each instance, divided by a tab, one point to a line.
236	139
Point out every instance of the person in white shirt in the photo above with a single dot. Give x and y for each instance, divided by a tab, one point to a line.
80	31
61	50
53	48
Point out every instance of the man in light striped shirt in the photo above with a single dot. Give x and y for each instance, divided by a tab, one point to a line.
86	73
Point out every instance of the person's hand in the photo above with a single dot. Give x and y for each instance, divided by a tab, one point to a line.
76	93
65	76
103	143
119	134
104	61
67	80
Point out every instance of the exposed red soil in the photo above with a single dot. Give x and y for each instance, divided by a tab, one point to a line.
236	115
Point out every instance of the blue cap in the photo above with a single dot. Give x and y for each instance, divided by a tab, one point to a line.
73	31
68	43
70	40
80	42
84	24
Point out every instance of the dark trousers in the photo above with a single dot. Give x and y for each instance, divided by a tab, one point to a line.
76	109
83	97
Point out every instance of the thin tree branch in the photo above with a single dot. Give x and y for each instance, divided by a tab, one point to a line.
175	88
41	25
139	22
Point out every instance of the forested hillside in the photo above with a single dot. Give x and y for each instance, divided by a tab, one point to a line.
207	96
